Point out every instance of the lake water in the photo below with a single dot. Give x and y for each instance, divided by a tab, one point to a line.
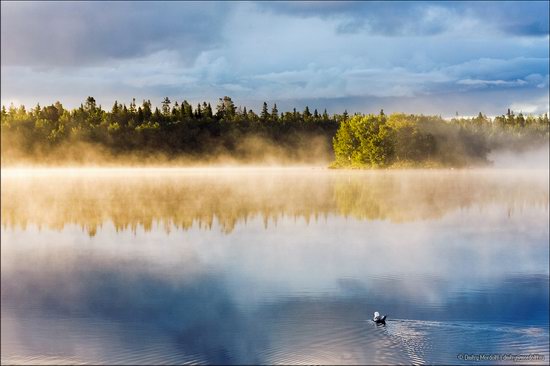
269	266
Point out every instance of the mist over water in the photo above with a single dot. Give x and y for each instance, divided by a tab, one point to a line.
287	265
534	158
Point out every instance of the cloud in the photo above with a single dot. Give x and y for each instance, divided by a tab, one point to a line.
538	105
82	33
425	18
288	53
477	82
501	68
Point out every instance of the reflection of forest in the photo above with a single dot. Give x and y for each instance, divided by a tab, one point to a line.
184	199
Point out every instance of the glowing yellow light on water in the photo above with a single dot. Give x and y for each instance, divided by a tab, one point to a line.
33	171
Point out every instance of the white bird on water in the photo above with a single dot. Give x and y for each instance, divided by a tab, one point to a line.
379	319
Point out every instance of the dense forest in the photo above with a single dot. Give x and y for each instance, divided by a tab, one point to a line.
54	134
176	130
401	140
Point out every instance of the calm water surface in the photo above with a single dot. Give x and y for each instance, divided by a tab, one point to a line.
273	266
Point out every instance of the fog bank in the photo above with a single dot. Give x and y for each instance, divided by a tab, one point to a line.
535	158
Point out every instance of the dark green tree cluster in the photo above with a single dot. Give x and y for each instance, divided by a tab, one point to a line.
174	129
509	131
418	140
180	129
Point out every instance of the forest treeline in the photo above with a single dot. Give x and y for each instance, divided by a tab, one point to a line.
55	134
175	130
402	140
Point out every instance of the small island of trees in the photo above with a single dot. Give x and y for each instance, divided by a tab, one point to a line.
416	140
175	130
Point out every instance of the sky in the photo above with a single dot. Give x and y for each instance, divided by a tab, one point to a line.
413	57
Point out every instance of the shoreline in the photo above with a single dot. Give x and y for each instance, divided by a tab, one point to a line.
15	171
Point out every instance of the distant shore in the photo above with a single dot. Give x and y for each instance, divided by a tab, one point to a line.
178	134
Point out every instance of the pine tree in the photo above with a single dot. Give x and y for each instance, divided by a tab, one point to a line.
225	109
198	111
265	114
307	113
115	108
90	105
147	114
275	112
166	106
208	110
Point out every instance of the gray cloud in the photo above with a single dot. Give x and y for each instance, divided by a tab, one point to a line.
77	33
523	18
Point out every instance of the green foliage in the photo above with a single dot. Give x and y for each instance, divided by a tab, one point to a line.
370	141
179	129
175	129
364	140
